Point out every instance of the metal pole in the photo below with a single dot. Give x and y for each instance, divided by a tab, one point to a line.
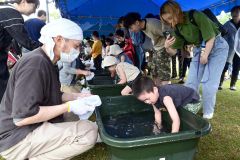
47	11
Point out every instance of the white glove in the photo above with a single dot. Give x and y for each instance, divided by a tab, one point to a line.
79	107
83	82
84	105
90	63
86	90
86	116
93	100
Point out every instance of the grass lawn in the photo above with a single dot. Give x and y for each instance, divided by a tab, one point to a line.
223	143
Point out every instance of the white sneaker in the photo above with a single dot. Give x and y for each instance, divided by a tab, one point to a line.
233	88
208	116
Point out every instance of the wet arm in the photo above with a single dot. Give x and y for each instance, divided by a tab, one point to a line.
168	102
158	116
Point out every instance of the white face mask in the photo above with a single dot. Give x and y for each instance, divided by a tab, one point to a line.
49	48
69	57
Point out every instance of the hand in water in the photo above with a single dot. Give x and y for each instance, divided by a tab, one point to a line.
158	120
156	129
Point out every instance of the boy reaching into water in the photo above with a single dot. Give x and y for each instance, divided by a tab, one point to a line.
126	72
167	96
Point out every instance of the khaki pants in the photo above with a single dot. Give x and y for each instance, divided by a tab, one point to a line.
58	141
70	89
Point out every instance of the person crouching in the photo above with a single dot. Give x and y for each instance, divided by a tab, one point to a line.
126	72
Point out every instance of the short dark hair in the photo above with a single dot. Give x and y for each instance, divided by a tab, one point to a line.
119	32
121	20
131	18
150	15
142	84
110	35
235	9
95	34
109	40
87	38
41	13
103	37
36	2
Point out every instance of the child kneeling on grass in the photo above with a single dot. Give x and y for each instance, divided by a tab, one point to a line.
126	72
169	96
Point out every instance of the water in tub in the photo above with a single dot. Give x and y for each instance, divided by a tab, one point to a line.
133	125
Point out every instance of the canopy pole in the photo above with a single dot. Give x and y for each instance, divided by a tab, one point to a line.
47	11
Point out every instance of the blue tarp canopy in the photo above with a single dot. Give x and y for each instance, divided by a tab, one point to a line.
89	13
105	29
217	6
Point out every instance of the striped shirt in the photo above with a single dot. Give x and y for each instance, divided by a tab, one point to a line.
11	27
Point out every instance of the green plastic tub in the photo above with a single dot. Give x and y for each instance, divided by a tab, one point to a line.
106	90
165	146
105	86
102	80
102	73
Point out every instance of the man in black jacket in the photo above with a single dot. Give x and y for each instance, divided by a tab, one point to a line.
12	27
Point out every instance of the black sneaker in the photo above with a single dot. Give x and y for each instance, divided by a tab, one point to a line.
181	81
220	88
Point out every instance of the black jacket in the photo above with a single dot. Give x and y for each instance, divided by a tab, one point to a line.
11	27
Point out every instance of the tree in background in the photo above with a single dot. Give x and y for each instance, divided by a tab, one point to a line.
224	17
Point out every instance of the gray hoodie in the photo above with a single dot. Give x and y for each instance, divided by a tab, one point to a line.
66	72
230	38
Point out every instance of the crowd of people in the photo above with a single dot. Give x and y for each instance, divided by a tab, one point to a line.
141	53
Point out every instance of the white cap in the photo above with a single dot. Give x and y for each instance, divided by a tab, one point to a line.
61	27
115	50
109	61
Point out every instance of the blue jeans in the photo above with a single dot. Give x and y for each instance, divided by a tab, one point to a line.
208	74
140	55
